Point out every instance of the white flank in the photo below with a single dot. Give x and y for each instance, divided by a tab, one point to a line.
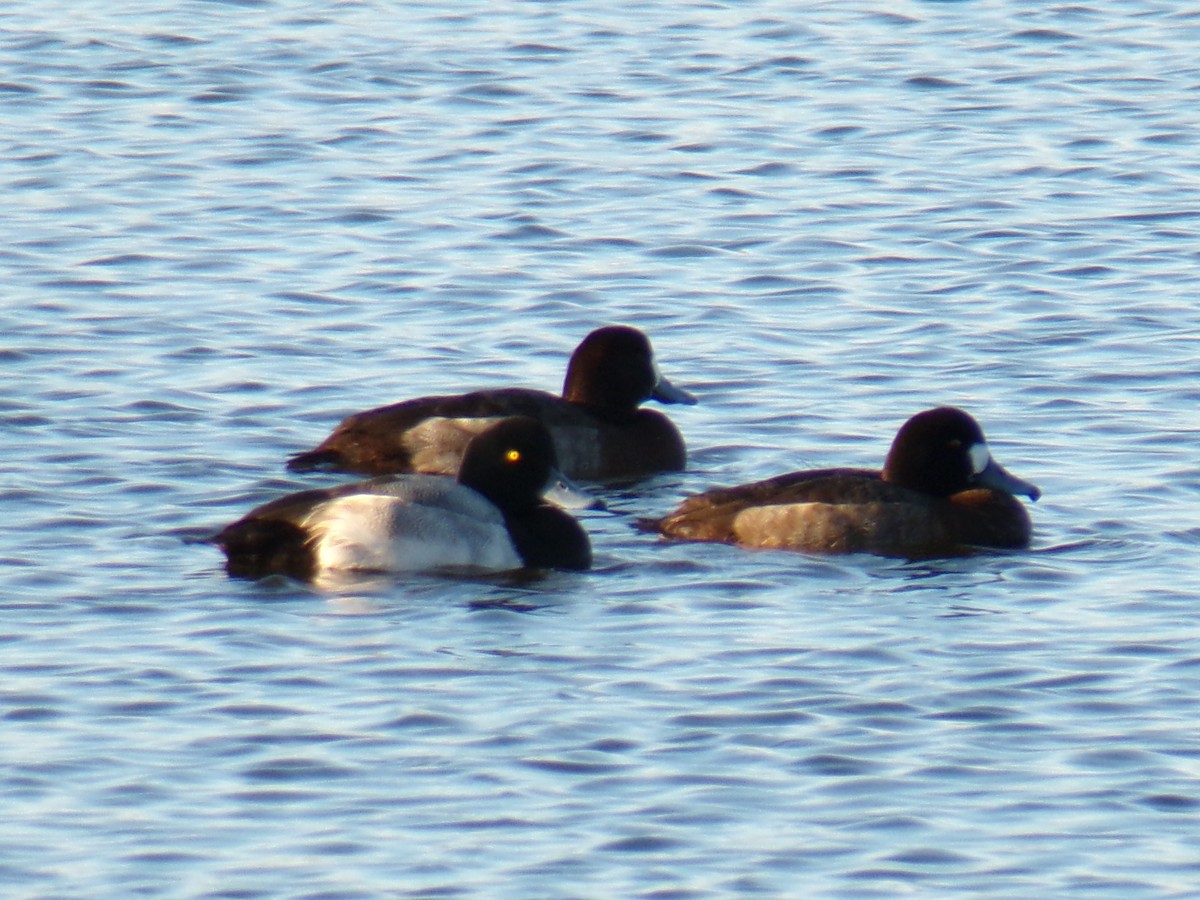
411	524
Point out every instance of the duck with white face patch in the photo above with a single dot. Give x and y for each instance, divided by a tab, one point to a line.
940	493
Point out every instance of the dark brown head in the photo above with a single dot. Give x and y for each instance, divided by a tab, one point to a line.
613	370
513	465
942	451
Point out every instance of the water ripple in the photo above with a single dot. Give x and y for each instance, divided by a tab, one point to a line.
222	239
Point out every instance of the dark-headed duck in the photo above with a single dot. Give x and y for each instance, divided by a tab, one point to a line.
599	432
491	518
939	494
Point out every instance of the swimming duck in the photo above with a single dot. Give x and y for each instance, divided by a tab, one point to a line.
599	432
940	493
490	518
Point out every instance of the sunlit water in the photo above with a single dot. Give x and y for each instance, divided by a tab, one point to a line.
229	224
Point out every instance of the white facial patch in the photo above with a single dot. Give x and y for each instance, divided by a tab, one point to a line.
980	457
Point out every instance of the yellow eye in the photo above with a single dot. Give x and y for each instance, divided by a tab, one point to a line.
513	455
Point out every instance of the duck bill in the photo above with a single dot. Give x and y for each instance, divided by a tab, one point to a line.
996	477
562	493
665	392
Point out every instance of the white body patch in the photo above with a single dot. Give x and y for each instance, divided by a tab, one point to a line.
412	523
437	444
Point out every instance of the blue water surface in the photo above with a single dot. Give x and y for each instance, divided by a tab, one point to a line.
229	224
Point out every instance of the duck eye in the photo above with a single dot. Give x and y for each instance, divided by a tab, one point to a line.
955	443
513	456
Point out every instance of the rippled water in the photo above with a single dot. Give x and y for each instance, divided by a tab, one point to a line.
229	224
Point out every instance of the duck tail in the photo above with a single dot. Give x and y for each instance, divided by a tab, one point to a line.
255	548
316	461
648	525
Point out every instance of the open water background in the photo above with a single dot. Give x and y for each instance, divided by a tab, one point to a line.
226	225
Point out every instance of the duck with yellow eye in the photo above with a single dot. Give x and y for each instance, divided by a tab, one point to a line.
491	517
939	493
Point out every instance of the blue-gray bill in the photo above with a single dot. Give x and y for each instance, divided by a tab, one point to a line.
995	476
665	392
565	495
